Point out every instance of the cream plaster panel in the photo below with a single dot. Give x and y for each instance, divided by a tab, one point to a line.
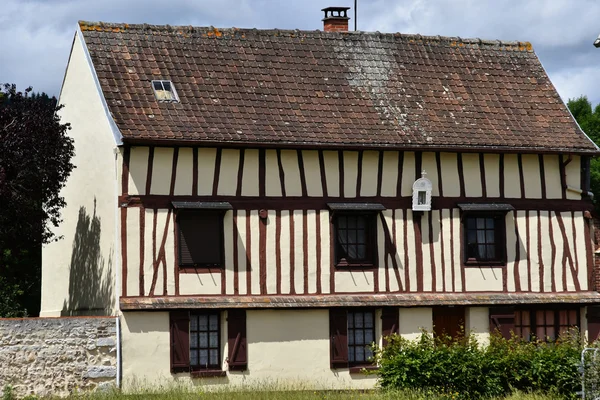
483	279
559	266
370	169
271	261
90	193
580	226
284	243
400	256
293	339
145	348
389	177
228	172
534	245
427	261
408	173
511	252
472	175
573	172
546	250
446	249
350	173
354	281
429	164
138	170
567	218
250	173
185	172
325	254
410	241
413	320
332	172
298	252
206	170
512	180
272	181
437	250
450	178
491	163
311	227
162	170
552	177
200	284
478	324
241	220
532	176
291	170
312	172
161	220
228	247
133	252
457	261
521	224
254	220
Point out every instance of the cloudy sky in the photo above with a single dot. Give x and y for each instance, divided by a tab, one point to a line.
36	35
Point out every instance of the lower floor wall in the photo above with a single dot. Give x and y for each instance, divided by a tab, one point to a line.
58	356
291	349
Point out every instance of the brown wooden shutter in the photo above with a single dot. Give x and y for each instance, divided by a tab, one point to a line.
200	238
236	340
338	331
593	318
180	341
389	322
503	320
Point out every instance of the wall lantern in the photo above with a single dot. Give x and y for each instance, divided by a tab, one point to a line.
421	200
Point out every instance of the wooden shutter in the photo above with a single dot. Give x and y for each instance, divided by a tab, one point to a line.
447	321
180	341
200	238
593	319
389	322
236	340
503	320
338	331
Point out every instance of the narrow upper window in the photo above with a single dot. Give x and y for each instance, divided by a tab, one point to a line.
355	244
165	91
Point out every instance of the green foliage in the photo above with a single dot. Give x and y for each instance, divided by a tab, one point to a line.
35	161
462	369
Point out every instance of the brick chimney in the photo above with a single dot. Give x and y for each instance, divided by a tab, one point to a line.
336	19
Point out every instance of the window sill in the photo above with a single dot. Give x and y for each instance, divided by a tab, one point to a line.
345	265
477	264
360	369
200	270
208	373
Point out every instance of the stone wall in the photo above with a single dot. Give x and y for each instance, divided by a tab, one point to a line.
56	356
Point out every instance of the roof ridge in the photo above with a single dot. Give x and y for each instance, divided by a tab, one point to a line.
453	41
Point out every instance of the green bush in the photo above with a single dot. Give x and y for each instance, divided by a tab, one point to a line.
463	369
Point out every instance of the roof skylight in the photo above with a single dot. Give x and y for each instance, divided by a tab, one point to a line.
164	91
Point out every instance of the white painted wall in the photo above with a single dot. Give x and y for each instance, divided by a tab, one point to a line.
86	256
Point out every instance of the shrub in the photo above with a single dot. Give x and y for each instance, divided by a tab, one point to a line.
461	368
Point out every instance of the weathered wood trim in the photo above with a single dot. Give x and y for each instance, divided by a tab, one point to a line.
355	300
482	174
195	171
217	172
542	175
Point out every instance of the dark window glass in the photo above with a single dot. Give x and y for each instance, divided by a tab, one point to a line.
545	324
484	239
361	334
200	239
354	238
204	341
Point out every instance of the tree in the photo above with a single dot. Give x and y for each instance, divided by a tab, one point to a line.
589	121
35	162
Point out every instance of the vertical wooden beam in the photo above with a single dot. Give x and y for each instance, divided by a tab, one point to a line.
240	175
150	166
195	171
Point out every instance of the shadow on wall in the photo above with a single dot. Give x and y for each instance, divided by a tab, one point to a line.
91	276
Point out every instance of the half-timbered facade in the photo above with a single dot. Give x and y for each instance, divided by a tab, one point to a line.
245	199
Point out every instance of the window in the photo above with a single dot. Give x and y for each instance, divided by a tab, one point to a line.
204	341
545	324
164	91
484	239
361	334
200	238
355	239
197	346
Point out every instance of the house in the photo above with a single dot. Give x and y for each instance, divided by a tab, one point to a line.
259	205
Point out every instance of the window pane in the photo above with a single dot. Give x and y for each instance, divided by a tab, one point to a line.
359	337
471	223
481	253
540	332
214	357
342	222
202	322
360	353
358	320
471	237
489	223
368	320
573	317
368	353
193	322
491	252
203	358
350	320
361	236
550	317
203	340
194	357
351	222
351	355
166	85
368	336
214	322
562	318
352	237
193	339
214	339
157	85
361	252
489	236
351	336
480	223
550	333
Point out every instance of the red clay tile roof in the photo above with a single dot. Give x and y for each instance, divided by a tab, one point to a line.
312	88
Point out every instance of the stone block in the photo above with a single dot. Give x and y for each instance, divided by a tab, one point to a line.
101	372
106	342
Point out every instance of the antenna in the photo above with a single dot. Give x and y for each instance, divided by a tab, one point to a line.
355	3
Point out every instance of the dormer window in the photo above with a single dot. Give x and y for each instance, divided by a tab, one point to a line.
164	91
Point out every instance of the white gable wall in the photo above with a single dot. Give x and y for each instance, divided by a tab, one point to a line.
78	271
